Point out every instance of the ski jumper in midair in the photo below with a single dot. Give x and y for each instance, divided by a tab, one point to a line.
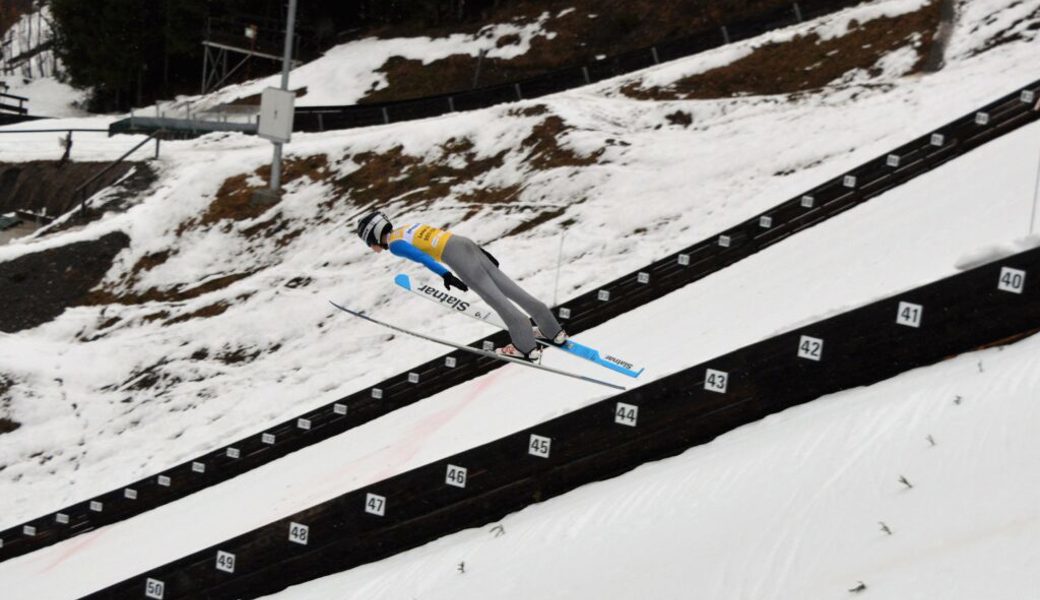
476	269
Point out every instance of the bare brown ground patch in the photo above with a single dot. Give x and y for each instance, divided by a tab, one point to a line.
545	151
280	229
156	316
54	279
806	62
212	310
488	196
535	110
233	202
150	261
147	378
618	26
418	181
234	198
414	180
177	293
543	217
110	295
680	117
244	354
7	425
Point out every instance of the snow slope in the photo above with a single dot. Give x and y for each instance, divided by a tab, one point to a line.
789	507
909	236
677	184
655	189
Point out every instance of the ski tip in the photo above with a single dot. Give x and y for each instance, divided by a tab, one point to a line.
639	372
403	281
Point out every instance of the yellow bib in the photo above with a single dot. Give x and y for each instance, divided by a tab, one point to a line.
427	238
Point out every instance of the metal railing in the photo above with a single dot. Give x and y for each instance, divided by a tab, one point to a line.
20	109
81	195
66	142
179	120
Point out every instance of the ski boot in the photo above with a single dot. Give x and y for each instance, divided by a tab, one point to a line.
511	352
558	340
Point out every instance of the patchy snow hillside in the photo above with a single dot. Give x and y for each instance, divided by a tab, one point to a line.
349	71
213	323
913	234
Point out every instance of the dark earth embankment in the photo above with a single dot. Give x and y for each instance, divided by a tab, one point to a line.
48	186
808	62
36	288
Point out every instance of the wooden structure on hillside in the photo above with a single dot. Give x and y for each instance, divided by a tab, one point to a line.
245	37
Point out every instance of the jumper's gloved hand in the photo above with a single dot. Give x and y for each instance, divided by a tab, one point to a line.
452	280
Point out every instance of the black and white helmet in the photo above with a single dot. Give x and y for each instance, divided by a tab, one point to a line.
372	227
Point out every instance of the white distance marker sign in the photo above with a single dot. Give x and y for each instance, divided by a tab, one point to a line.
225	561
810	348
153	588
626	414
298	533
909	314
539	446
1012	280
375	505
716	381
456	476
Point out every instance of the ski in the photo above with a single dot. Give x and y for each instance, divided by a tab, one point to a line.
477	351
463	307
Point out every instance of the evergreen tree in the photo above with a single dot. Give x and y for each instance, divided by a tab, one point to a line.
128	51
134	52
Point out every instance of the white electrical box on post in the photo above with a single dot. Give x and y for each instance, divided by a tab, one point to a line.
276	115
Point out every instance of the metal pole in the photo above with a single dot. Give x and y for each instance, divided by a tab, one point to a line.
68	147
290	26
476	73
559	264
205	68
1036	191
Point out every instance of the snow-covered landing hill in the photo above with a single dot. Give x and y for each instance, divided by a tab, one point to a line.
808	503
225	329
